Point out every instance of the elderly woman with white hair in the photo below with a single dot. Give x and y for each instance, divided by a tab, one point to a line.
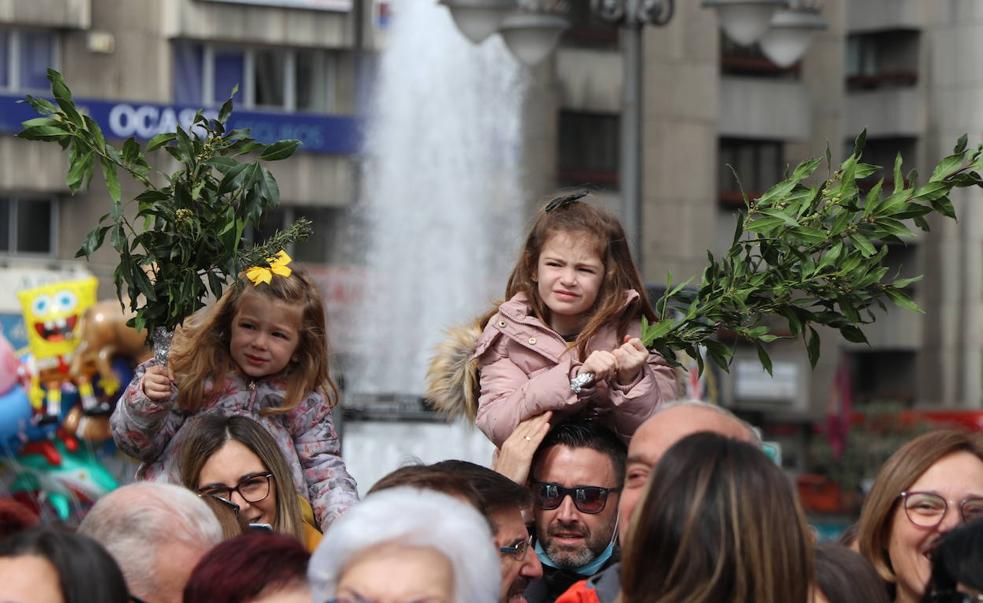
406	544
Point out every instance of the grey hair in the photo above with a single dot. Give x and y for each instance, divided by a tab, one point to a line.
415	518
134	521
754	434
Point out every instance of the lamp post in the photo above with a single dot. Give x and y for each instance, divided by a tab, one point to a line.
632	16
531	29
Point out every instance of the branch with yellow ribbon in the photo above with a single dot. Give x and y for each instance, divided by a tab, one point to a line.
278	266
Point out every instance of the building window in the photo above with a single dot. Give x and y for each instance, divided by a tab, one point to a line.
27	226
314	250
759	165
25	56
884	376
587	29
882	59
588	149
268	78
751	61
882	152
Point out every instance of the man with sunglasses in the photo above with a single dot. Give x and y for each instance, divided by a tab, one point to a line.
670	423
576	481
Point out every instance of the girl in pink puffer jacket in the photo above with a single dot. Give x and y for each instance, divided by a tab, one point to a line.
575	303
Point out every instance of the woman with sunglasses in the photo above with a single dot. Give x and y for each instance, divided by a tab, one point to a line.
928	487
234	460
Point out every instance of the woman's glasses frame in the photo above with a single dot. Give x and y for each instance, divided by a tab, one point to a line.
217	491
907	498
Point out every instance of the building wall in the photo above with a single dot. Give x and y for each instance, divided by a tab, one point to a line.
924	94
952	365
137	66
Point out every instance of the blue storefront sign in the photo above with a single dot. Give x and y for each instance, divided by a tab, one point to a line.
329	134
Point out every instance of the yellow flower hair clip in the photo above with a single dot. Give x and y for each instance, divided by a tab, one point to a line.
278	266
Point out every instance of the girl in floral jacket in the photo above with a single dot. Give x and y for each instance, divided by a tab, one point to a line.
261	352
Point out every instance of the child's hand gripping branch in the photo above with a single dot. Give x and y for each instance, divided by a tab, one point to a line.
624	362
158	383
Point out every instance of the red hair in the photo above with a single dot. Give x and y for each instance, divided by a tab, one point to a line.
15	517
242	568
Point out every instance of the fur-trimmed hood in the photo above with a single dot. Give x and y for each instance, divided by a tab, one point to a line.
452	377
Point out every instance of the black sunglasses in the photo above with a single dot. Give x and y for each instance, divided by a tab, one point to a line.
587	499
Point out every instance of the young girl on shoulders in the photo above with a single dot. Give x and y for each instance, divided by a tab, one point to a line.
261	352
575	303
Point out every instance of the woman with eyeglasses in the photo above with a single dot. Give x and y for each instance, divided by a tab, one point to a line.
234	460
48	565
928	486
718	522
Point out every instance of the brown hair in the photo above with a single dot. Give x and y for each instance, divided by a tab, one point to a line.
719	522
570	215
201	347
843	576
232	524
210	432
428	477
900	471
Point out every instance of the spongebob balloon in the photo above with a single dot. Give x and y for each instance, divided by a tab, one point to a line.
51	318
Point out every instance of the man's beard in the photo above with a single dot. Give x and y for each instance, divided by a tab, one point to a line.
567	557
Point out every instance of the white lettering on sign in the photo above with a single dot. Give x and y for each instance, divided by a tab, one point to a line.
146	121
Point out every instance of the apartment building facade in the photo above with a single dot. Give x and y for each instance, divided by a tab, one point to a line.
902	69
140	67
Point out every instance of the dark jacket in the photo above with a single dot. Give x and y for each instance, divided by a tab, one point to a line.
603	587
556	582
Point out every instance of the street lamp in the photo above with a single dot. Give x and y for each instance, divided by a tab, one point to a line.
478	19
790	33
532	35
531	29
744	21
632	16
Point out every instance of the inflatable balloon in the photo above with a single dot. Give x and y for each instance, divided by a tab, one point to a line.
104	336
61	478
52	315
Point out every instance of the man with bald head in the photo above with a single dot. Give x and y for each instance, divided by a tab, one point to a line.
670	423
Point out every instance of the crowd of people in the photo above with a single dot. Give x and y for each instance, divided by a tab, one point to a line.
604	488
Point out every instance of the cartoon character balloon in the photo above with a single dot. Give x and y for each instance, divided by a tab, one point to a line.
51	318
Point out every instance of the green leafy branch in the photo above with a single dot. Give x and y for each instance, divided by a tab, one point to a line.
811	255
185	237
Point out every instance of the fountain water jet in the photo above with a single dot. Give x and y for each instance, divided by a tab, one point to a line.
440	190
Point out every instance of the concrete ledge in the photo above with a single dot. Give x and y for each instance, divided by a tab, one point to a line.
589	80
764	109
879	15
258	24
71	14
888	112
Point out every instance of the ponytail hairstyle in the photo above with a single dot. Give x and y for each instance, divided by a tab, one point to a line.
569	215
201	347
